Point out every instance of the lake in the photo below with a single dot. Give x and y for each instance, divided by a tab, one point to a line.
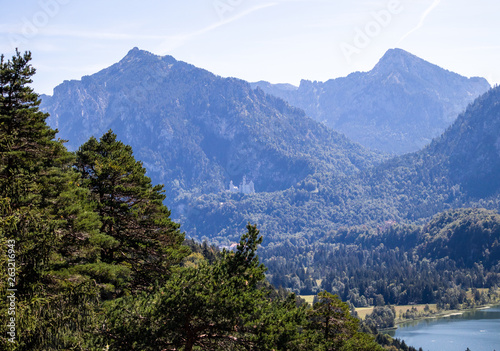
478	330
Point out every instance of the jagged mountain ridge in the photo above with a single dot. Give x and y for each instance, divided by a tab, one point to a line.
195	131
397	107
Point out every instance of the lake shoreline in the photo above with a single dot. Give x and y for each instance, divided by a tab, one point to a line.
440	314
453	330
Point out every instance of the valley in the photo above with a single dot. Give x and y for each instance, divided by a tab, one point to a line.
329	209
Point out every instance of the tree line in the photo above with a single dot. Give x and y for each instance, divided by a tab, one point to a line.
438	262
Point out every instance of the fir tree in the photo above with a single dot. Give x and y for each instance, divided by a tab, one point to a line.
331	327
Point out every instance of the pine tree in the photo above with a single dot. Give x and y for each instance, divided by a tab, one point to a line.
131	211
208	306
228	306
46	216
331	327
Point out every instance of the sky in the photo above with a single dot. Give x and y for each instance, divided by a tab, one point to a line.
280	41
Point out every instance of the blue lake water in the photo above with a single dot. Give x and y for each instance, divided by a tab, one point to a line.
478	330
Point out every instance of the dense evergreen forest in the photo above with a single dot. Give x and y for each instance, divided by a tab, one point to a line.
92	260
435	263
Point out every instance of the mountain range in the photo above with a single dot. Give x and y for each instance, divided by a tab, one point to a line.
397	107
421	227
458	169
197	132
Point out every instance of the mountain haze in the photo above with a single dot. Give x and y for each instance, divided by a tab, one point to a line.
459	168
397	107
195	131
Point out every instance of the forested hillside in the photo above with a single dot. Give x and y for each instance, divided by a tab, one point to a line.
195	132
357	236
457	169
437	262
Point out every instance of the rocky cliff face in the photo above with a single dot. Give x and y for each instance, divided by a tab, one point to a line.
397	107
195	131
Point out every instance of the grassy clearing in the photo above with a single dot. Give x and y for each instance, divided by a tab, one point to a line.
309	298
420	309
364	311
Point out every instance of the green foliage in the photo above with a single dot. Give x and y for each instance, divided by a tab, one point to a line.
278	324
330	318
205	306
139	233
394	344
381	317
45	213
361	342
62	234
228	306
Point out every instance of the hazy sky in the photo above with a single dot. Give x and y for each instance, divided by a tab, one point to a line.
277	41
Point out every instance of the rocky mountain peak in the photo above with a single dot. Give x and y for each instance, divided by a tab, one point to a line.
195	131
136	55
398	59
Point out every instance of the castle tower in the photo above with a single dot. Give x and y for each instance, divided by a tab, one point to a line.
233	188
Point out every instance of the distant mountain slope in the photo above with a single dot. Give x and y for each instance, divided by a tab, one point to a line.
471	147
397	107
195	131
458	169
464	160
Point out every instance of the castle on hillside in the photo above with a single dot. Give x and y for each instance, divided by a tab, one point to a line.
244	188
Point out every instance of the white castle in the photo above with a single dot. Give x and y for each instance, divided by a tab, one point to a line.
244	188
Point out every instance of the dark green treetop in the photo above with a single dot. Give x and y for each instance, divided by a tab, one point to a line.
145	239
